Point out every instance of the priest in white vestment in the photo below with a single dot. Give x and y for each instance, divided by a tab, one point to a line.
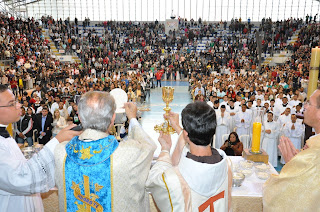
223	123
122	167
243	121
270	135
22	180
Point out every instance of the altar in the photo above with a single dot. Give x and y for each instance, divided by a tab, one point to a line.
248	197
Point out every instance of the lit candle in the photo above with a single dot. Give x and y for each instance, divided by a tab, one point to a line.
256	134
314	71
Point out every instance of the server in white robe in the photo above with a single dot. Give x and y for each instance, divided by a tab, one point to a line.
272	108
282	107
283	119
258	109
232	110
223	123
294	131
187	182
243	121
269	142
21	179
216	106
294	101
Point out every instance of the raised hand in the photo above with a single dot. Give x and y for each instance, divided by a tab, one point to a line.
287	149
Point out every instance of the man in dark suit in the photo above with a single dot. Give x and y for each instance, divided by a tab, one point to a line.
24	128
43	123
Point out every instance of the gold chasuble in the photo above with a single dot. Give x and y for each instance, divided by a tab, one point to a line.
297	186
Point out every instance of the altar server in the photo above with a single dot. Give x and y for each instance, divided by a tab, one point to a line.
232	110
294	131
283	119
243	121
269	142
196	177
223	123
282	107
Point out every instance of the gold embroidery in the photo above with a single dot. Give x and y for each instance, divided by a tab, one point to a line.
97	187
111	181
168	191
96	151
88	200
81	207
85	153
74	148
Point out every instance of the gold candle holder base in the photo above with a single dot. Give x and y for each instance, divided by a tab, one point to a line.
260	157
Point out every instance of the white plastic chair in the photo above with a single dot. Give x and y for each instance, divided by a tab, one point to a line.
245	140
224	137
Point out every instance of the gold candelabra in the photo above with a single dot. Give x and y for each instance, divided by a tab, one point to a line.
167	97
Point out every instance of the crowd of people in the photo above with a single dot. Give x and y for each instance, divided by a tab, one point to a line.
53	95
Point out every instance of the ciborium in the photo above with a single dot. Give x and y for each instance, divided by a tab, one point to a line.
167	97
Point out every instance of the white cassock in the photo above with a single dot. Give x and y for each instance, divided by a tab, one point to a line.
294	135
272	109
237	104
178	188
243	128
210	104
222	128
281	108
294	103
269	142
282	120
22	180
229	109
257	111
216	109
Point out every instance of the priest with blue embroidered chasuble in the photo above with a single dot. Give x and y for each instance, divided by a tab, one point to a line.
96	173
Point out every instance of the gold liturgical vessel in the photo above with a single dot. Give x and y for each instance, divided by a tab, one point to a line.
167	97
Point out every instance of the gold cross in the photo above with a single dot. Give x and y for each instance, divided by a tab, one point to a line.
87	191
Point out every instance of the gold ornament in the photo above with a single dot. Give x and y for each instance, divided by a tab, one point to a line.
167	97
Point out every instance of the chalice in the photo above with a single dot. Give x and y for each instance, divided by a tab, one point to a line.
167	97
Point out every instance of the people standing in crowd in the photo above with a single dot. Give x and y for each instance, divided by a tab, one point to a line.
24	131
59	122
43	125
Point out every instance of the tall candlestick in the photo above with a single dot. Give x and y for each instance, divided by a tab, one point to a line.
256	135
314	71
